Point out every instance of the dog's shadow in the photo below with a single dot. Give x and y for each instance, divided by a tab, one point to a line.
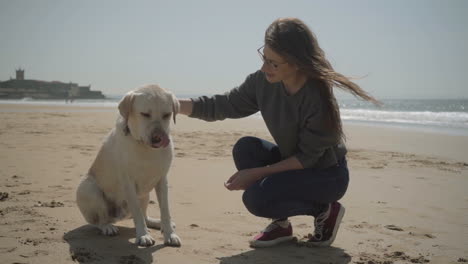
289	253
87	244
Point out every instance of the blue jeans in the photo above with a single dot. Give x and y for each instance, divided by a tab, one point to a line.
296	192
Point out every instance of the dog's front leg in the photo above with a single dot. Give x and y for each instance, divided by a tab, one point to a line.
170	237
143	238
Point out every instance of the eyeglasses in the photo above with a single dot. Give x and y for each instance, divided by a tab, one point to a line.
269	62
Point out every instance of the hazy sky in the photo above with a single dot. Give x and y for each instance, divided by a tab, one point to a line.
408	48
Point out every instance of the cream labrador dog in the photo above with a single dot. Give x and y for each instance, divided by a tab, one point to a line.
134	159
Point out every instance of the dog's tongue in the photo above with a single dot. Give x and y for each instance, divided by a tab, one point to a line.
160	141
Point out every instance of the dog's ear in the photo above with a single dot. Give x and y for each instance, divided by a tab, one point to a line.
125	105
175	107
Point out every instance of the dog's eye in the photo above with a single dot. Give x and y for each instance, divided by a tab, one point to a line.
147	115
167	115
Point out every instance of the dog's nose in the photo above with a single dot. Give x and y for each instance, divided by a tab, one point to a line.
156	139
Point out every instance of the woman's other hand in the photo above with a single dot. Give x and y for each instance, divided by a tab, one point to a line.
242	179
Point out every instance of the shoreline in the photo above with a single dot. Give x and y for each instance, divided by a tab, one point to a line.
112	107
450	131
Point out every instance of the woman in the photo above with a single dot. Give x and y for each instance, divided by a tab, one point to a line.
305	172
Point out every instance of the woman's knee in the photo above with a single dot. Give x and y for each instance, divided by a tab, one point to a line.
243	145
253	202
242	152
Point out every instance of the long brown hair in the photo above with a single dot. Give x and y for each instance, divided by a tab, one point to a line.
292	39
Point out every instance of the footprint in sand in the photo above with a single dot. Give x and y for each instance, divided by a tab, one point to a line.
83	255
420	235
398	255
132	259
29	241
3	196
52	204
394	228
365	258
33	254
7	249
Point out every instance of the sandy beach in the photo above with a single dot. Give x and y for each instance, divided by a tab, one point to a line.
406	203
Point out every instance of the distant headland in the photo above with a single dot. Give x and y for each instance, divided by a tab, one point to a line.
21	88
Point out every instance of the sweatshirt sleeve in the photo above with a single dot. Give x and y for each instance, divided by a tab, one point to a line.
315	140
238	102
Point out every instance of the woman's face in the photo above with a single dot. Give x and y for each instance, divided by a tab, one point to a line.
275	67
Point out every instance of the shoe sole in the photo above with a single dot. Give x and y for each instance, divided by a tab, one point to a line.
264	244
335	231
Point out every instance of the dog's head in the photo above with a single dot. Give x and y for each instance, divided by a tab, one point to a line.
147	113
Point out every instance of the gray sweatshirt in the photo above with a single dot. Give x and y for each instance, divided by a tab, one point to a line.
296	122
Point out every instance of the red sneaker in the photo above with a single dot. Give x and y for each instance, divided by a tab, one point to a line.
326	225
273	234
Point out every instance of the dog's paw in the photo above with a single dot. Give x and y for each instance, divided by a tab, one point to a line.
172	240
109	230
145	240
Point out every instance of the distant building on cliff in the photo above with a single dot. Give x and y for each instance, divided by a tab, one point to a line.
21	88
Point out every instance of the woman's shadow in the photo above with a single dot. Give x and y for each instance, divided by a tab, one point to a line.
296	253
87	244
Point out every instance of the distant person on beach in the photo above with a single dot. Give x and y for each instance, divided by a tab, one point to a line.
304	172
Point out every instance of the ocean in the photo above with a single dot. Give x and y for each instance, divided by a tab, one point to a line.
437	115
432	115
